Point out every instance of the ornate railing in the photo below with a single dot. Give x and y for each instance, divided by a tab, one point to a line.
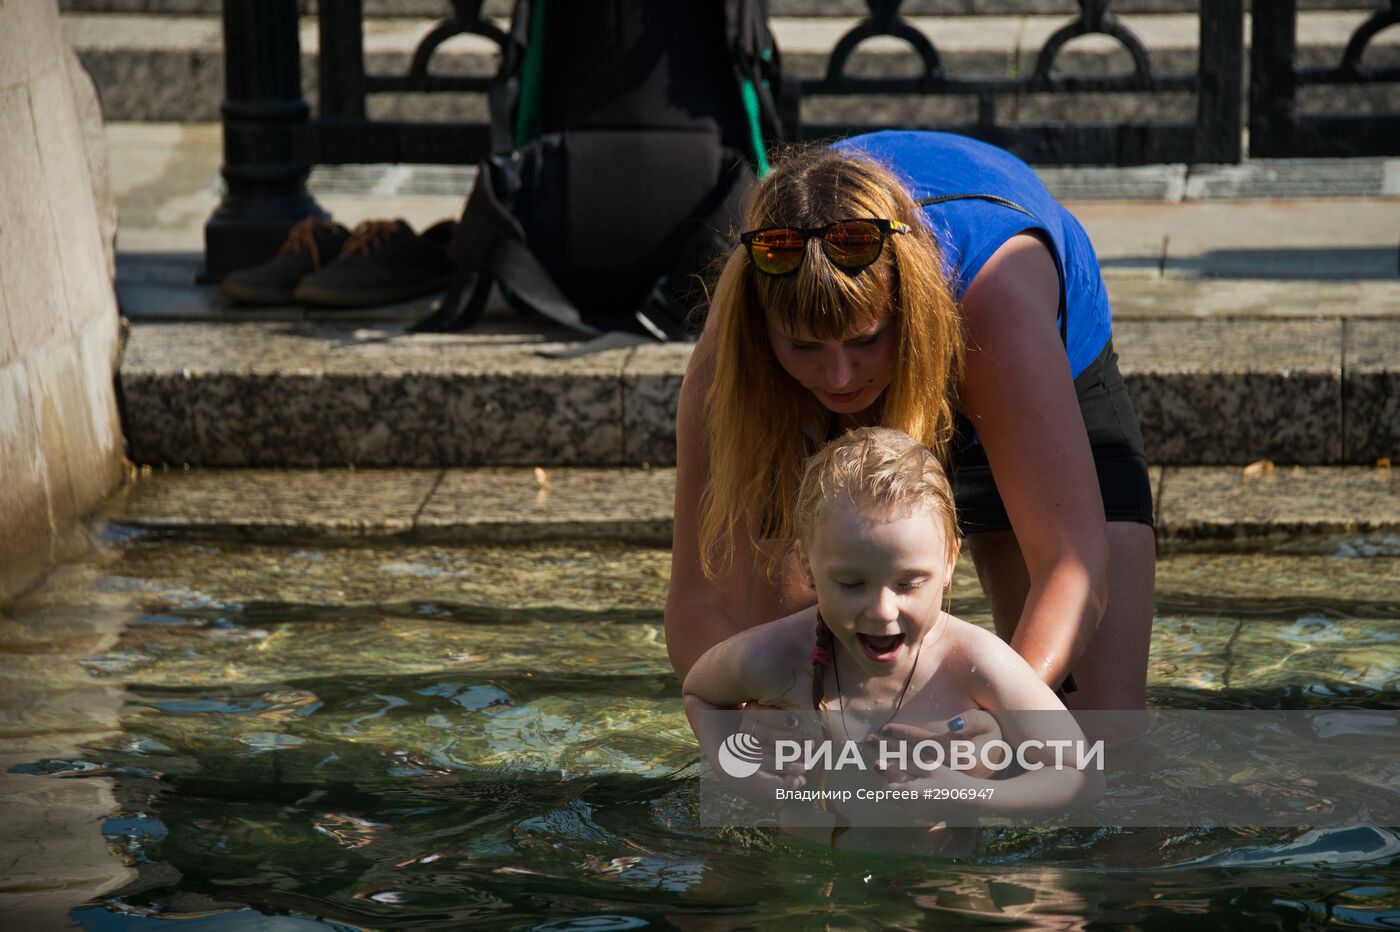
271	140
1214	135
1277	128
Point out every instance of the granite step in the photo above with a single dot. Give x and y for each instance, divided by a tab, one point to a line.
170	68
1331	510
1208	391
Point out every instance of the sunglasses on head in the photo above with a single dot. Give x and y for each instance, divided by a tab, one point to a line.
849	244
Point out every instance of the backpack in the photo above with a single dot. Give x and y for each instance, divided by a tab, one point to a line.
628	135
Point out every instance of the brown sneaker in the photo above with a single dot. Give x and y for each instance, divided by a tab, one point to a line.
383	262
309	246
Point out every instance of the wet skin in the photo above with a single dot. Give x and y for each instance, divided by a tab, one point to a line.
880	580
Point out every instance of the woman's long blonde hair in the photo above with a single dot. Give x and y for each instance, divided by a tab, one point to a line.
755	413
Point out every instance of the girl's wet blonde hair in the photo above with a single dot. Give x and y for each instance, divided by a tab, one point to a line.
759	422
876	470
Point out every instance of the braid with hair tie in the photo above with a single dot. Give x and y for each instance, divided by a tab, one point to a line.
822	656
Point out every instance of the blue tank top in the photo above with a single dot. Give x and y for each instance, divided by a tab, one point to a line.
934	165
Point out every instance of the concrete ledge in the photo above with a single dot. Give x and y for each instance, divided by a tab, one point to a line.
488	505
1212	392
1236	507
1207	392
1196	507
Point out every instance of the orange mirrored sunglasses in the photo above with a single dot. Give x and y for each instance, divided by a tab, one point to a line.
849	244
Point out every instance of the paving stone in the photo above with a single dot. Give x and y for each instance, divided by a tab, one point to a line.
304	394
1215	391
1112	183
1227	506
507	505
157	417
1207	391
651	386
1196	507
276	503
1371	394
1273	581
1261	299
1129	238
1272	178
1284	239
1351	239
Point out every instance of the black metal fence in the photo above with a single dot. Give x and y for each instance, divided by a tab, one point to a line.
271	139
1213	136
1277	127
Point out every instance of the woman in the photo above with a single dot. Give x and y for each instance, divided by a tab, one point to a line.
978	324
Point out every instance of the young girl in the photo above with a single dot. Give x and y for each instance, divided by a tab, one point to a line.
877	536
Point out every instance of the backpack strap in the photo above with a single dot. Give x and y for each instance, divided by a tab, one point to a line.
1012	205
758	70
488	246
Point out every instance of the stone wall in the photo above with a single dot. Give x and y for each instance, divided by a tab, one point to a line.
60	439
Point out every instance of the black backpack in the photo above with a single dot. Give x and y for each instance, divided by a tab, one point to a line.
637	129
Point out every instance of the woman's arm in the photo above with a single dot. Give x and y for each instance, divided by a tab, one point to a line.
1018	393
1033	724
701	612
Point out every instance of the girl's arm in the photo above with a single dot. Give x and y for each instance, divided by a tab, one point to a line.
1018	393
752	666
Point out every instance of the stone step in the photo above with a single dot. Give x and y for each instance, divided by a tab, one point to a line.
777	8
1196	507
1208	391
171	69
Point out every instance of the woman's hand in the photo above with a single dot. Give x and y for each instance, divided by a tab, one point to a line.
975	725
771	724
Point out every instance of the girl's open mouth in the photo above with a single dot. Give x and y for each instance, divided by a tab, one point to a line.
881	648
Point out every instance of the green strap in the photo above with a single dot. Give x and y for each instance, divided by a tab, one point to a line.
760	154
529	112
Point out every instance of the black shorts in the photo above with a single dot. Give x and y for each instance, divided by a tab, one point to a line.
1114	439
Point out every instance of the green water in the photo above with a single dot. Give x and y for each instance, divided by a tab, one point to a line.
492	737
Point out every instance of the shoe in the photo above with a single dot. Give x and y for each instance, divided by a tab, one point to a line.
383	262
309	245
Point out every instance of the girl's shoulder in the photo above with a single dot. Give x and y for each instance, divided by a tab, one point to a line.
991	670
966	635
975	650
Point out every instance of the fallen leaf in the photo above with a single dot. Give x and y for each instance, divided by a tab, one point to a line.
1259	468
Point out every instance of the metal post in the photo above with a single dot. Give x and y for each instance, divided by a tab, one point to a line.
263	110
1272	82
1220	101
